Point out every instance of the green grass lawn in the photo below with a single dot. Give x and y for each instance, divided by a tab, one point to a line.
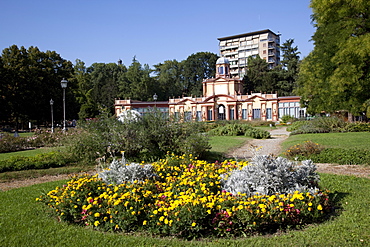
25	222
223	144
349	140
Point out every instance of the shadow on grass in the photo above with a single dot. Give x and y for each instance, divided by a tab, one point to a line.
212	156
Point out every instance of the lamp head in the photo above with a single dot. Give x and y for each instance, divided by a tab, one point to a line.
63	83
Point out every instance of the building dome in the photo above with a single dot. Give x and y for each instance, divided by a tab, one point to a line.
222	60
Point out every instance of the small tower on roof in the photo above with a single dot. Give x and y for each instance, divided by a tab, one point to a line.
222	68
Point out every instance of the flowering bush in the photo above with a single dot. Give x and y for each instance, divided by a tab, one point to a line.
185	199
9	143
303	150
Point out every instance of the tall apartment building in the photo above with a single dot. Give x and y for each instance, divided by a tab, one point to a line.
238	48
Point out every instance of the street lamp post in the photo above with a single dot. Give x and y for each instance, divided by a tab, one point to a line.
52	115
155	97
63	83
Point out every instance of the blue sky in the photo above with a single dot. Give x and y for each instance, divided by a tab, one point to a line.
151	30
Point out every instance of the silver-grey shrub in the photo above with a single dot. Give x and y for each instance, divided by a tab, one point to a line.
118	172
268	175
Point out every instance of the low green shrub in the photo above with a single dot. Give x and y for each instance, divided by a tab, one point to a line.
318	125
296	125
39	161
342	156
357	127
260	123
238	130
287	118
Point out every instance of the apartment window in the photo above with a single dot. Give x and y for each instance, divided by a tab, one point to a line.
264	51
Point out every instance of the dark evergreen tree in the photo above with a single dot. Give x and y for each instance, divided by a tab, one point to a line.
170	79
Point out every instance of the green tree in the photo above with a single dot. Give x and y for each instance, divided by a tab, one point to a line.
30	78
197	67
169	76
335	75
290	67
102	89
258	77
137	82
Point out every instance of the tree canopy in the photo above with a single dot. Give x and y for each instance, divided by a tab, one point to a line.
197	67
335	75
29	79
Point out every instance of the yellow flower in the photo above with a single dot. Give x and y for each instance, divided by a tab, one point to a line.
96	223
144	222
97	215
319	207
193	224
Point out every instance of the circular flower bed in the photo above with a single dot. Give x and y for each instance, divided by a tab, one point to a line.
183	197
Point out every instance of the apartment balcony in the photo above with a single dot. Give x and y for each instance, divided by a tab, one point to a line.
228	47
231	53
232	66
271	60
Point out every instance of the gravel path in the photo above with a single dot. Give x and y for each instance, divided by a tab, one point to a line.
262	146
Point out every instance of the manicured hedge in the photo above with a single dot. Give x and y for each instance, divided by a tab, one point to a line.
236	129
40	161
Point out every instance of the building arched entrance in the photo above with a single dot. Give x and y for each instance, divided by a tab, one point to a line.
221	112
